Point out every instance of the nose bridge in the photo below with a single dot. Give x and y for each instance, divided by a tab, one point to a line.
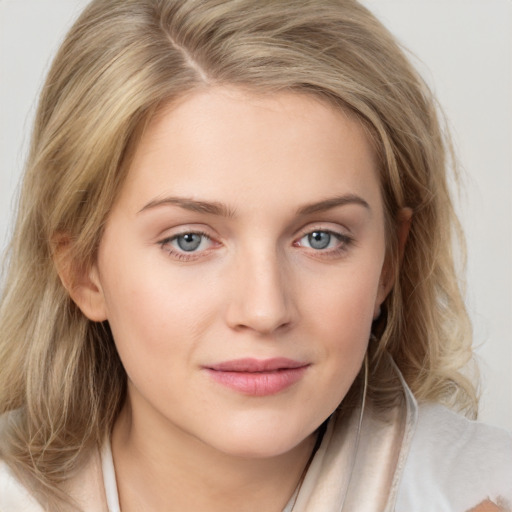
261	300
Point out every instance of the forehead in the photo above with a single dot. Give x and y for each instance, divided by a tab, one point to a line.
233	145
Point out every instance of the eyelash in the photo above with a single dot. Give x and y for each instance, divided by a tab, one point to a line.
344	243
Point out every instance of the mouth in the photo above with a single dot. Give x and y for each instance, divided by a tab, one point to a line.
258	377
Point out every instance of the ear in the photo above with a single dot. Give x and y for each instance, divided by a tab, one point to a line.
82	284
390	268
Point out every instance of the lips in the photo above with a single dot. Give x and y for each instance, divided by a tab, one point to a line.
258	377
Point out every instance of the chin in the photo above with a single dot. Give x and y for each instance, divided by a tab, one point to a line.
260	442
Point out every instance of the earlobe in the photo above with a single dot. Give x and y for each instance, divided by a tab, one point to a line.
88	295
82	284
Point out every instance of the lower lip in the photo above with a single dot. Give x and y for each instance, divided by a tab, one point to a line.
258	383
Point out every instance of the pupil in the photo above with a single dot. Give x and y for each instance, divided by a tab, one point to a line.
189	242
319	239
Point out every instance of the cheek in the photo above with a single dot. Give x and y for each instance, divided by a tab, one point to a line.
341	315
345	301
154	312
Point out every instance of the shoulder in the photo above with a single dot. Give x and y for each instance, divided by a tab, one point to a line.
455	463
13	496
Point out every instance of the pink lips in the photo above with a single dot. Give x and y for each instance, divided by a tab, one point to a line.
258	377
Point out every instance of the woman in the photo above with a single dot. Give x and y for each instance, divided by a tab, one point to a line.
231	284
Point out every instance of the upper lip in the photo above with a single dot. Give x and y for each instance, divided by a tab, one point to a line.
252	365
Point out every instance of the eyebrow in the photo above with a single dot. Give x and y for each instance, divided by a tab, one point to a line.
220	209
333	202
212	208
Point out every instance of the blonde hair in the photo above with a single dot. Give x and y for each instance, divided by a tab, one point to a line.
60	377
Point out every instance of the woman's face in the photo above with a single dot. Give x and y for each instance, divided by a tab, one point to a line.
241	268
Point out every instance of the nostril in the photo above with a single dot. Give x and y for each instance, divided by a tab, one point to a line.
262	324
265	317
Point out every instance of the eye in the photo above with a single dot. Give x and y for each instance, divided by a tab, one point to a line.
187	243
321	240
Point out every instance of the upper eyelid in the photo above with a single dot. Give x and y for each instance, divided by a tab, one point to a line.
310	228
325	222
323	229
174	232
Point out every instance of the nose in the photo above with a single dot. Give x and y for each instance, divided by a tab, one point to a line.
262	300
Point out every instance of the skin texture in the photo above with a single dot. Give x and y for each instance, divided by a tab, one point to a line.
254	287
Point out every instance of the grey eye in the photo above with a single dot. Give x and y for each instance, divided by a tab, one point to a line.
189	241
319	239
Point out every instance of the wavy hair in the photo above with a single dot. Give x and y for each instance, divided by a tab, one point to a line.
61	381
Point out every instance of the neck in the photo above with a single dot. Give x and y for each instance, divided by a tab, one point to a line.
160	467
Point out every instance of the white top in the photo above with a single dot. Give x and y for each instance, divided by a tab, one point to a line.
454	464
